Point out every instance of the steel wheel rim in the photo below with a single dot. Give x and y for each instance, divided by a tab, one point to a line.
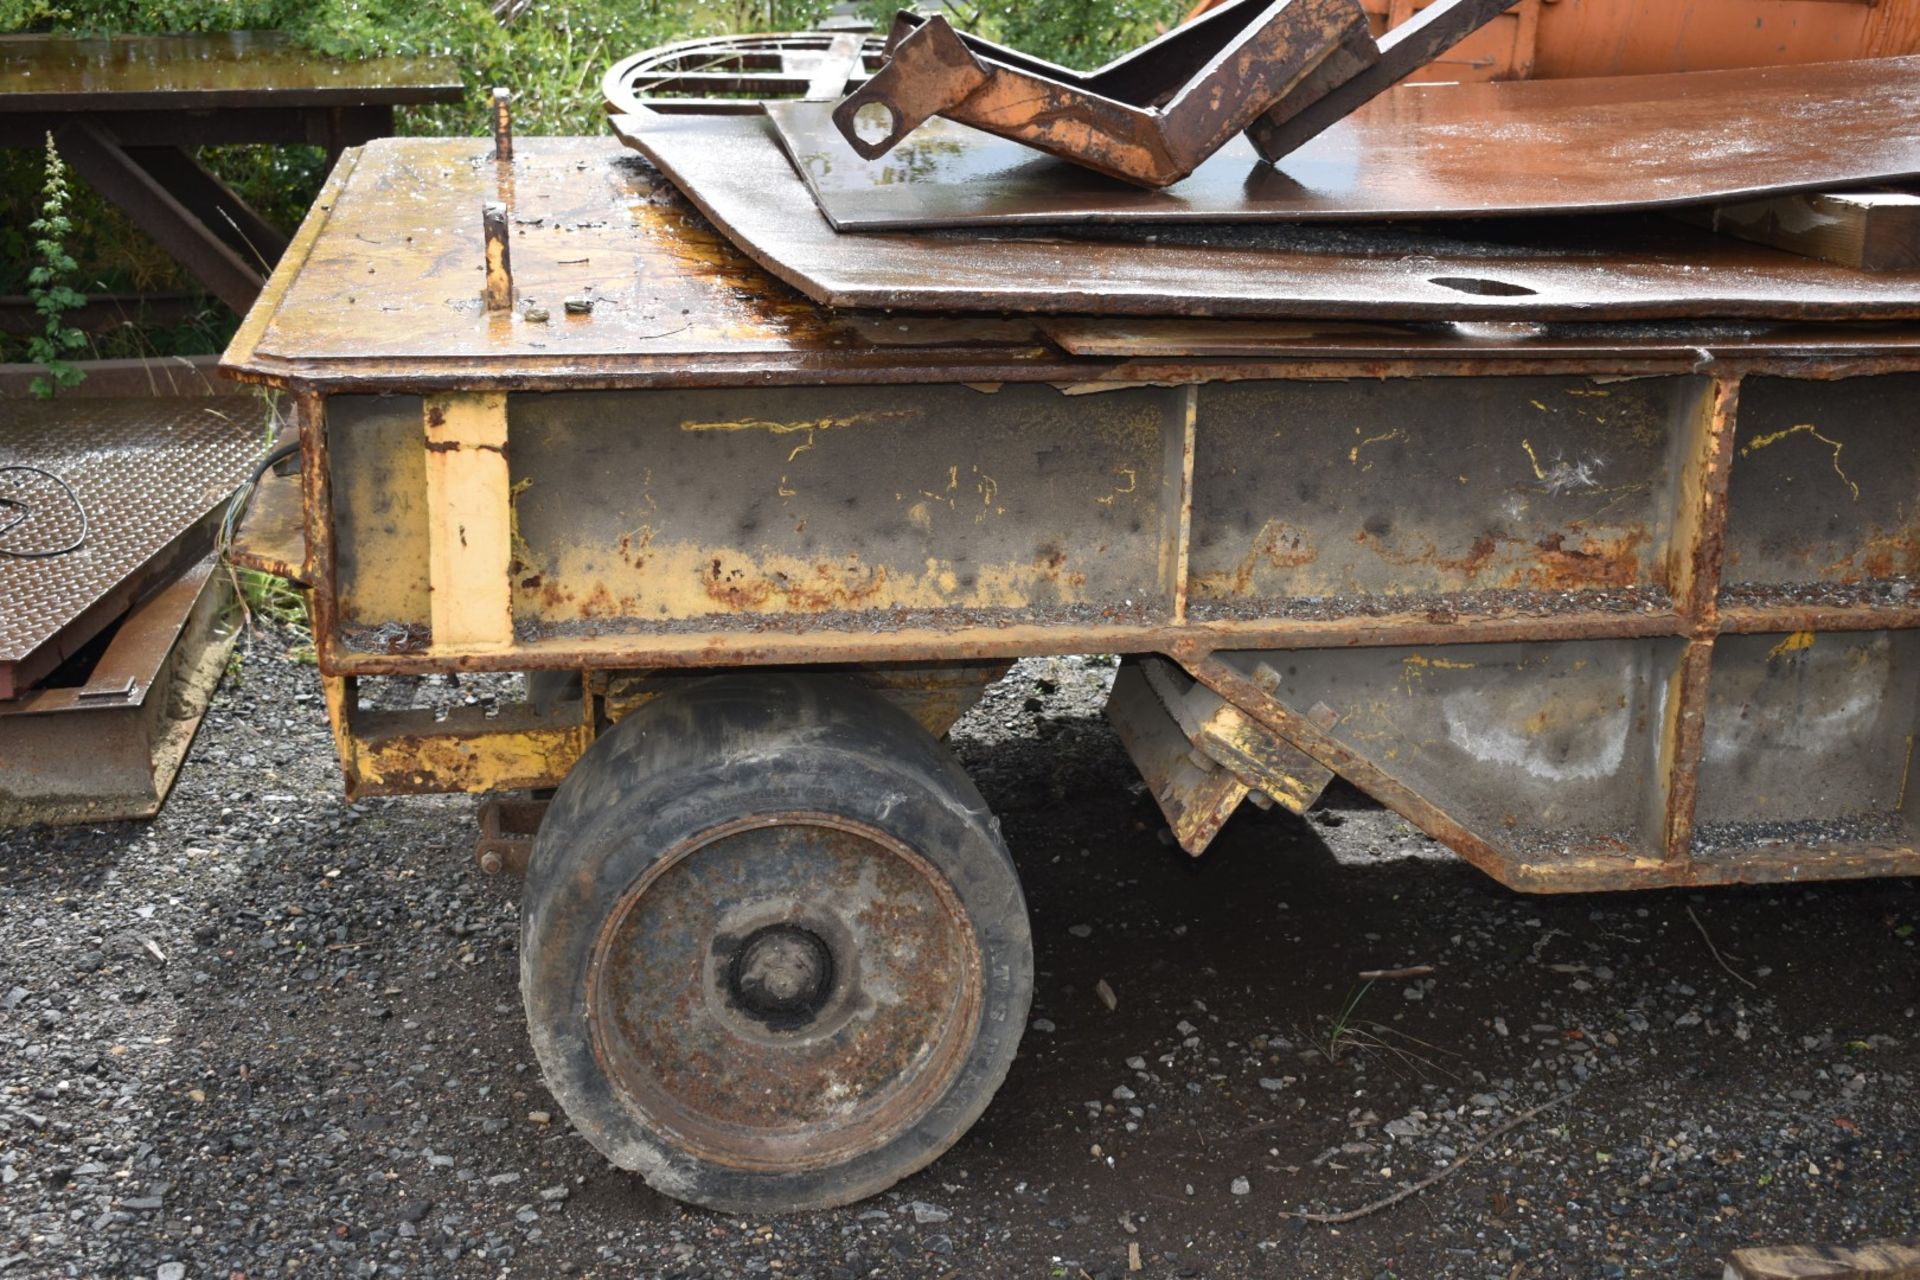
785	992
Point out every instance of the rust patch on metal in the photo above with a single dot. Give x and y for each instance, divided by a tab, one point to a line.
1596	562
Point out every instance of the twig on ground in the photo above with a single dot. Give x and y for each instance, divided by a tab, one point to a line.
1718	958
1416	1188
1388	975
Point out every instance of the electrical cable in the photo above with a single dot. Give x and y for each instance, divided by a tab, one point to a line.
243	496
24	512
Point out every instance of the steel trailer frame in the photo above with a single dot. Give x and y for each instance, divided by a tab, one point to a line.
1594	607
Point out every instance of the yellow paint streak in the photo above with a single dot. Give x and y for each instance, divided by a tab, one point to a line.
1538	474
808	425
1798	642
1353	454
1133	483
1441	664
1906	771
1415	666
1760	442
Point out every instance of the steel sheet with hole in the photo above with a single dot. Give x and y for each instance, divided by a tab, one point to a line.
1618	269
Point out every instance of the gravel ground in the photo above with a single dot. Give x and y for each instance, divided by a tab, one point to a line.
271	1034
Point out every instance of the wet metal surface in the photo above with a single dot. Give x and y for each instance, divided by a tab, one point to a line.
1149	117
195	72
150	474
1424	151
1643	269
383	286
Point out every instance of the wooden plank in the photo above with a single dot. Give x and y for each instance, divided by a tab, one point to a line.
1881	1260
468	534
1865	230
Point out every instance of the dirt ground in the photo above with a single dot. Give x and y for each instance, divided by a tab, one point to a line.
273	1034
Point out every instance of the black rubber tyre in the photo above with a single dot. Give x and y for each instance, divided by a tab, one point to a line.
773	951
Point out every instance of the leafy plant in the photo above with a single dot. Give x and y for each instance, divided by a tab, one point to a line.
47	284
1081	34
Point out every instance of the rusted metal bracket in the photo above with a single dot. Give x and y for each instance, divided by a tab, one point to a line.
1201	756
1281	70
1337	88
507	829
1149	118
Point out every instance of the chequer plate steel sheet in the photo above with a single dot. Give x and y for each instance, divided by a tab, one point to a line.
1422	151
145	470
1633	268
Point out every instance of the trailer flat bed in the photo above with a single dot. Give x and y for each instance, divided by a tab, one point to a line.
1594	605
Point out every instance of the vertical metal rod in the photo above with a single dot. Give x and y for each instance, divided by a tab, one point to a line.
499	291
502	125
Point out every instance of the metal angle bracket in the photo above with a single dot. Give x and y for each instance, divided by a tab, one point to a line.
1279	70
1150	117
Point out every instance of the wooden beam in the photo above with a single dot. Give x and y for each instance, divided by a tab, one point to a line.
1865	230
469	538
1881	1260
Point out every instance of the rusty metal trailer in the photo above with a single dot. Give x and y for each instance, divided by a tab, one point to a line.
1595	605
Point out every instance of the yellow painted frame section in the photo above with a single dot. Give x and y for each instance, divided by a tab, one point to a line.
469	520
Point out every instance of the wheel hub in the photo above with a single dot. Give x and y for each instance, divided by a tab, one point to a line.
787	991
783	975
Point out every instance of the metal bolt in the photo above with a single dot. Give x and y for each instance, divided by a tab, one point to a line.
502	125
499	291
490	862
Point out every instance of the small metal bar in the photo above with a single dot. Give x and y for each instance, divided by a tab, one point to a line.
1682	739
499	285
502	125
1696	547
1753	620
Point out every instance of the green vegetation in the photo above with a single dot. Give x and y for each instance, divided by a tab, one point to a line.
47	284
551	56
1074	33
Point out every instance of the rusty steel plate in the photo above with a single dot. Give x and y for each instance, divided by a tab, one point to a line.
1625	268
1422	151
381	289
785	992
149	474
